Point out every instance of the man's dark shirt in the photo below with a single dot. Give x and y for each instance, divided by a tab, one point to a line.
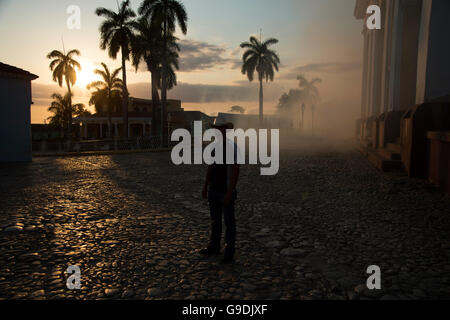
221	173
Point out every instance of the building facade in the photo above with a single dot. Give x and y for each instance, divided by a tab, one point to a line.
405	83
15	114
140	113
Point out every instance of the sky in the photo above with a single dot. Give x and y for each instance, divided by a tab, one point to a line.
317	38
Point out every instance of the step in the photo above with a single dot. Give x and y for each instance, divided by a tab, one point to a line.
384	164
394	147
388	154
362	149
363	146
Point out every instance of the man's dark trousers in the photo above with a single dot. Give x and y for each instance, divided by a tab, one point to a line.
216	208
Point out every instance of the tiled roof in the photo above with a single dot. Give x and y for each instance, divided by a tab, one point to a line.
6	69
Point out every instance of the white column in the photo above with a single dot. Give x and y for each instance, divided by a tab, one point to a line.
377	72
364	76
389	7
369	74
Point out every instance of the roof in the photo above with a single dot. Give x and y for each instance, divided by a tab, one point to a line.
10	71
196	113
149	101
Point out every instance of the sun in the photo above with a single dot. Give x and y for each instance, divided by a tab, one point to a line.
86	75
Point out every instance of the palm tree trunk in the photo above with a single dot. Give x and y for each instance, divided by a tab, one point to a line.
69	115
155	101
261	104
108	111
303	116
125	97
164	82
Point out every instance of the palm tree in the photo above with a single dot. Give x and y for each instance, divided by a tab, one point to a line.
310	93
303	108
147	47
64	68
63	110
289	104
166	14
258	57
237	109
116	35
99	100
107	90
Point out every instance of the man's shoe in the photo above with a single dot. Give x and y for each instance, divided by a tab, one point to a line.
228	259
209	251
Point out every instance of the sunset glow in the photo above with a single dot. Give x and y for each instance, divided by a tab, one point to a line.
86	75
315	35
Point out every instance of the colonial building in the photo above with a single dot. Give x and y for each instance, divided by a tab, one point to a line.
140	112
405	107
15	114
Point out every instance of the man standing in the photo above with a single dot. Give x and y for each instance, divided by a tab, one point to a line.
220	190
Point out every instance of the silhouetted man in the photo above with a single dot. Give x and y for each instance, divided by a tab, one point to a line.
220	190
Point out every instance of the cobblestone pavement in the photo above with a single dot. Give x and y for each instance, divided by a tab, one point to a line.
134	223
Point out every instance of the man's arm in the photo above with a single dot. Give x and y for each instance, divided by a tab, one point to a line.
205	186
233	183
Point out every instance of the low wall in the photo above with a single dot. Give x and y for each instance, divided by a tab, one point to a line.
439	159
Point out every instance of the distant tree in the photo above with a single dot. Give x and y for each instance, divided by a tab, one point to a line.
290	102
84	113
310	93
64	67
117	35
108	91
99	99
237	109
63	110
258	57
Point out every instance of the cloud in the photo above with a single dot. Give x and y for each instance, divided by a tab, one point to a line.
328	67
201	93
241	90
41	90
199	55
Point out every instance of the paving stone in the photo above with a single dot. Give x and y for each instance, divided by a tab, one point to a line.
14	229
136	222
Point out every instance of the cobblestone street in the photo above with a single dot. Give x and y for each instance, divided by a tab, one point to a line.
134	223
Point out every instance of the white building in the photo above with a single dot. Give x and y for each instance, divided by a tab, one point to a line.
406	81
15	114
